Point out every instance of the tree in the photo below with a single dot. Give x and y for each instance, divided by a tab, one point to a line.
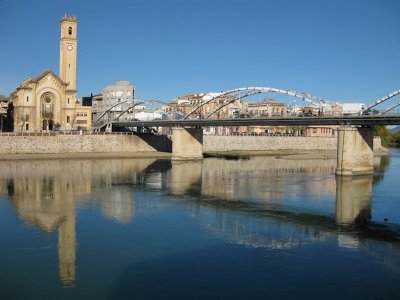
396	140
22	119
385	135
56	126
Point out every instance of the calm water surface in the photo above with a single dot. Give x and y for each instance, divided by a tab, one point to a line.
263	228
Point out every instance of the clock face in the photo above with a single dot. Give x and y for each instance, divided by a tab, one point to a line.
69	47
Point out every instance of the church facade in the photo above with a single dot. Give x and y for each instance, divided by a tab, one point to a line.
48	101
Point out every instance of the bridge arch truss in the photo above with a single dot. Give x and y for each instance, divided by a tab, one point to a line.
250	91
381	100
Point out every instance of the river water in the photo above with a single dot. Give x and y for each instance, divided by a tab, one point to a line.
258	228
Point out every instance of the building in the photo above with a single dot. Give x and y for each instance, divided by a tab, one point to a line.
114	100
321	130
3	111
268	108
222	107
48	101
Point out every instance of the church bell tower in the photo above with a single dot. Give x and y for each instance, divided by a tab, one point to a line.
68	51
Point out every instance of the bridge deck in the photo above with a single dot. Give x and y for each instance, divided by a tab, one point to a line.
271	121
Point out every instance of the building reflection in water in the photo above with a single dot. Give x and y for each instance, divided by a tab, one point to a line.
266	178
44	194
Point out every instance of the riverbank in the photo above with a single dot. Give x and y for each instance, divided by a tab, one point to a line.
283	154
287	154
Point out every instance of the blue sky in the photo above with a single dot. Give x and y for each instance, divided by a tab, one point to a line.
344	50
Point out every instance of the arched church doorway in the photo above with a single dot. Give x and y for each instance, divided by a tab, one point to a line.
47	101
48	125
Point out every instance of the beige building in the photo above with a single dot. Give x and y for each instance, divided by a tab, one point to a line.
268	108
322	131
220	108
3	111
48	101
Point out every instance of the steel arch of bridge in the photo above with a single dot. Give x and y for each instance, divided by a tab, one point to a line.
130	107
257	90
390	108
381	100
109	109
233	100
142	102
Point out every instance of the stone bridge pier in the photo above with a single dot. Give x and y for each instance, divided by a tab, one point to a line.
187	143
355	151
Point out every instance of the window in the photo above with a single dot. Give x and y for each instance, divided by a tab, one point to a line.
68	119
26	126
27	98
70	30
314	130
68	100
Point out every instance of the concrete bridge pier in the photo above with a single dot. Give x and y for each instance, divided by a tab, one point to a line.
355	151
187	143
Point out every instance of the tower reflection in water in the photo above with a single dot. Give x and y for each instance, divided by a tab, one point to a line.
46	195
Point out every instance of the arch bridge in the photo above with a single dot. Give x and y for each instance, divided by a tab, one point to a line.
355	137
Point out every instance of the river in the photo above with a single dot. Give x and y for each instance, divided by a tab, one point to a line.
258	228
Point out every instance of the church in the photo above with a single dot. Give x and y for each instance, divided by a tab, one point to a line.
47	101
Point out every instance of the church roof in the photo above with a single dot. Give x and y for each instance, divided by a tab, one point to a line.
44	74
25	84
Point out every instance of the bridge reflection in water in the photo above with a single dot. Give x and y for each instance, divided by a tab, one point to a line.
353	199
243	201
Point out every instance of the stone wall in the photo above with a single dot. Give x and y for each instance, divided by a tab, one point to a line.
150	143
82	144
266	143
